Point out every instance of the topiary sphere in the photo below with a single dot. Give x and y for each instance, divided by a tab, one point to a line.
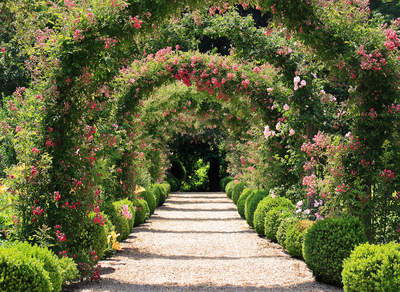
295	237
150	199
264	207
242	200
229	188
273	219
236	191
285	224
20	273
97	235
251	205
142	211
160	193
328	242
372	268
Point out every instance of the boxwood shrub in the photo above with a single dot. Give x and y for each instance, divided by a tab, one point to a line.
97	235
20	272
150	199
266	205
69	270
273	219
372	268
328	242
121	223
237	191
242	200
283	227
142	211
251	205
160	193
295	237
229	188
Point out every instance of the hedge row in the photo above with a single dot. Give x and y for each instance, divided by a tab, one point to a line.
333	248
32	268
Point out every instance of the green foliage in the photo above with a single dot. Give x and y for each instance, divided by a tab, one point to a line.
69	270
199	180
237	191
167	187
242	201
19	272
142	211
295	237
328	242
251	205
229	188
224	181
174	183
267	204
127	209
273	219
283	227
372	268
97	235
160	193
121	223
150	199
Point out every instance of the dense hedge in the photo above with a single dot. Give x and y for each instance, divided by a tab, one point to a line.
273	219
229	188
372	268
251	205
237	191
224	181
295	237
242	201
283	227
264	207
160	193
328	242
32	268
150	199
98	235
142	211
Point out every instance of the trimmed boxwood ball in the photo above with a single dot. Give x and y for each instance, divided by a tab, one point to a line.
328	242
267	204
167	187
20	273
236	191
251	205
229	188
119	207
372	268
224	181
242	200
48	258
142	211
273	219
160	194
150	199
295	237
174	183
285	224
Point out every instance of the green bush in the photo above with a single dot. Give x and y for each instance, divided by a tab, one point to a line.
224	181
251	205
237	191
328	242
160	192
229	187
119	205
295	237
264	207
142	211
167	187
150	199
48	258
372	268
97	235
283	227
20	272
118	220
273	219
69	270
242	200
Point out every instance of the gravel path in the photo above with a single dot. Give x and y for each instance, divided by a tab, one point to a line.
198	242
